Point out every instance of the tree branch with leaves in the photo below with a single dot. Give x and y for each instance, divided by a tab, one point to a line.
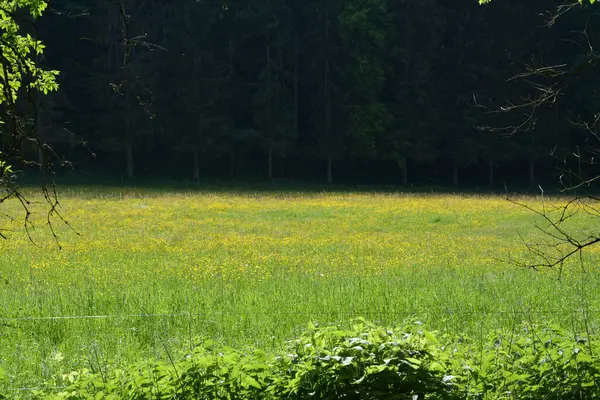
21	78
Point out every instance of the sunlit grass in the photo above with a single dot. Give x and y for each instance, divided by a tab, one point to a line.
152	271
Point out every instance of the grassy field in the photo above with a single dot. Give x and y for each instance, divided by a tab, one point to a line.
152	271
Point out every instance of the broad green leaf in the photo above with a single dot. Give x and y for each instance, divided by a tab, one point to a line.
250	381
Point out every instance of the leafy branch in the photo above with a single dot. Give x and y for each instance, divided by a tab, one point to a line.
20	77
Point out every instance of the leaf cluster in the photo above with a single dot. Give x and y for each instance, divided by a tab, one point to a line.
19	50
366	361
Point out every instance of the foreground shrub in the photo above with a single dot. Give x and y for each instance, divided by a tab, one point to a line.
535	363
364	362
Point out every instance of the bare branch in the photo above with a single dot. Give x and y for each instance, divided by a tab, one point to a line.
560	243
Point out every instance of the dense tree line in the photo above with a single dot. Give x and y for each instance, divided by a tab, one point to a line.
364	91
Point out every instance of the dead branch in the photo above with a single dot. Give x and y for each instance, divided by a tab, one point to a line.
559	242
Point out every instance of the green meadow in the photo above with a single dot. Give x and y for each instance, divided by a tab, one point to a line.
149	273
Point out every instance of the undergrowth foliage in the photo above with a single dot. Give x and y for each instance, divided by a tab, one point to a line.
365	361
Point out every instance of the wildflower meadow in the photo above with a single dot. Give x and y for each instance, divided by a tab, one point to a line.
146	274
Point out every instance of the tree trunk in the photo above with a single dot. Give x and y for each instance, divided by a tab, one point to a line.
269	107
455	174
230	109
196	166
40	138
327	84
199	140
404	169
270	161
579	169
232	162
329	139
41	157
129	136
39	131
129	156
531	172
295	85
490	172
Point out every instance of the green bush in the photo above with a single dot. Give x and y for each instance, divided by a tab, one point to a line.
364	362
535	363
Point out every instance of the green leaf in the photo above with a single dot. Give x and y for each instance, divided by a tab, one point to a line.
250	381
414	361
517	377
430	336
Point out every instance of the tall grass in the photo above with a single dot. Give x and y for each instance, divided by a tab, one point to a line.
153	270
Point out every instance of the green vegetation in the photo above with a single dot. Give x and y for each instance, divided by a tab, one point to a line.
366	362
153	272
19	54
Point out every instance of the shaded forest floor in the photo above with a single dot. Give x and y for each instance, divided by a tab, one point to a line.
154	270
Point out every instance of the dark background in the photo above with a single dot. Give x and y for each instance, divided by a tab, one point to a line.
374	91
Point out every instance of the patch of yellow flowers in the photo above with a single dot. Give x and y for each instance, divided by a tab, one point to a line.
194	236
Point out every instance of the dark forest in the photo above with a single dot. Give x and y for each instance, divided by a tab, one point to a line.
349	92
